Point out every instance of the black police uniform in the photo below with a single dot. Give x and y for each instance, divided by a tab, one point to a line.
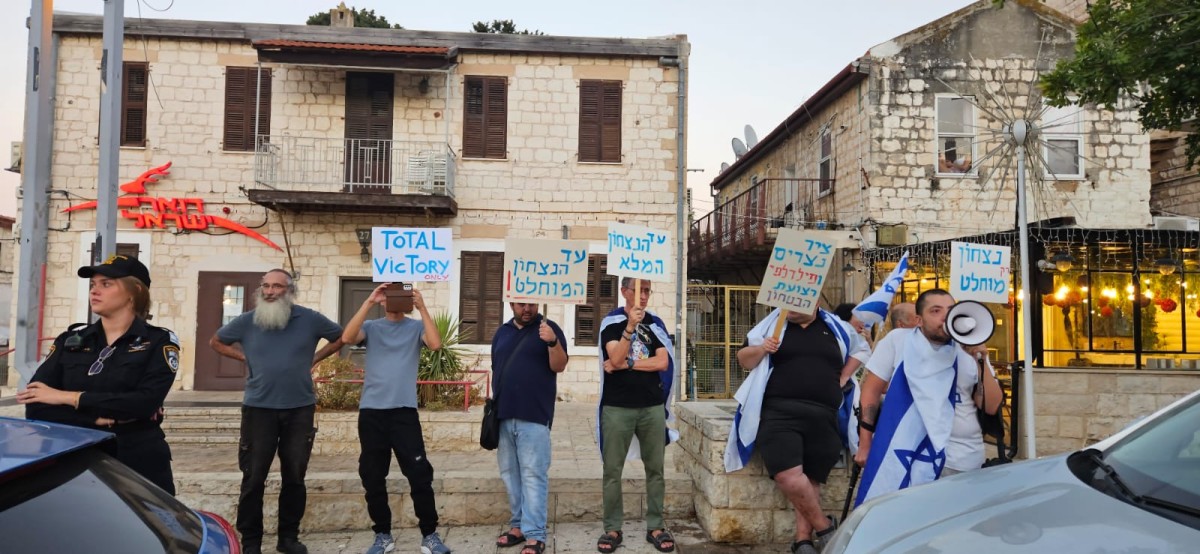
130	389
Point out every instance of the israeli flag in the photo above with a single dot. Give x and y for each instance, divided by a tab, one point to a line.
909	444
874	308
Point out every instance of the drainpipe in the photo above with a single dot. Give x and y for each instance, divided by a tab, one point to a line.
680	201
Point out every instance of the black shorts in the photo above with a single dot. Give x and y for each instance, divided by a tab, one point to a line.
798	433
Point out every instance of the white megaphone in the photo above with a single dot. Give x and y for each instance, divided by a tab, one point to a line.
970	323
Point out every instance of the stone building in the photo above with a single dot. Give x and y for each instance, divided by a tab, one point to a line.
8	247
492	136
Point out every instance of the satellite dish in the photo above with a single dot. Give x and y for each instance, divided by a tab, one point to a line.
739	147
751	136
724	166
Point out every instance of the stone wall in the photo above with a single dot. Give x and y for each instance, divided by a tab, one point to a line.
1175	188
1075	408
539	190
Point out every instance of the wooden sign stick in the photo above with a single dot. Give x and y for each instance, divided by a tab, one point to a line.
637	293
779	324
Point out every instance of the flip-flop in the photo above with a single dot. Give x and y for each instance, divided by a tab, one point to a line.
509	540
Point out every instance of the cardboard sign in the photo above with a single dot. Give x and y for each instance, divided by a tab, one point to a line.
638	252
542	270
796	271
979	272
410	255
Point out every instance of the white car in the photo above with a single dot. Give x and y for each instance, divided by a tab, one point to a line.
1135	492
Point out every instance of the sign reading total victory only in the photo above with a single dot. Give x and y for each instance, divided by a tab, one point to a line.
796	272
411	255
545	271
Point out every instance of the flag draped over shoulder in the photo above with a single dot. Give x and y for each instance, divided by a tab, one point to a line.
750	395
909	444
874	308
660	331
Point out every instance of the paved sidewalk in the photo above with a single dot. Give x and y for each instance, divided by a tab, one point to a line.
564	538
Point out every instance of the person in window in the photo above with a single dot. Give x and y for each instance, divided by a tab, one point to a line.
949	162
113	374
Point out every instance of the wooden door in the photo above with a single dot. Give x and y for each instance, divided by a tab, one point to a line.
222	297
354	291
369	105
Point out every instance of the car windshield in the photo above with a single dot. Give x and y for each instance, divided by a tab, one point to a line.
87	501
1159	462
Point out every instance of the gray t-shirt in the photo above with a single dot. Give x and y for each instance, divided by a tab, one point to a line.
280	361
393	354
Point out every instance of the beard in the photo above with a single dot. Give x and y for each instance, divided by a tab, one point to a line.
273	316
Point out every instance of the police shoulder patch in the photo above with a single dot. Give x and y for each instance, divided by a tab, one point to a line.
171	353
172	337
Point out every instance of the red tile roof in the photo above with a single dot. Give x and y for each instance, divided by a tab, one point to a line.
358	47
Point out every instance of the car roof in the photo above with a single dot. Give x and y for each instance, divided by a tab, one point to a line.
24	442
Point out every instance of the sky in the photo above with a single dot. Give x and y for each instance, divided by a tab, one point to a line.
752	61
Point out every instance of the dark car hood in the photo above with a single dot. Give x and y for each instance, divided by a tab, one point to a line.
1033	506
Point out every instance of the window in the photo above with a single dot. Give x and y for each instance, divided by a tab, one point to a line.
601	299
485	123
1062	142
825	166
955	135
481	307
241	88
136	76
600	121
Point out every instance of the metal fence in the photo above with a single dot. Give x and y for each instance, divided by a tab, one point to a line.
326	164
719	316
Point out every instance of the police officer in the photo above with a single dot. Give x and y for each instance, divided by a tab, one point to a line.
113	374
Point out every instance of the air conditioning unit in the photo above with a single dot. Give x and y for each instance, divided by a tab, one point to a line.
1176	223
891	235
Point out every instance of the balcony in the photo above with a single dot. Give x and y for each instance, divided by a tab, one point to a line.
738	235
322	174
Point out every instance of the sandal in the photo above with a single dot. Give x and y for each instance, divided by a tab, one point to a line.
508	539
609	541
658	540
535	548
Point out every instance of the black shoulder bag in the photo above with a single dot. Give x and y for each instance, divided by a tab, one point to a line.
992	424
489	430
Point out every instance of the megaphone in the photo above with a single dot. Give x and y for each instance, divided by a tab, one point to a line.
970	323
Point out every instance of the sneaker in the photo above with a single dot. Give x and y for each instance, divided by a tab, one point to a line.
383	544
432	544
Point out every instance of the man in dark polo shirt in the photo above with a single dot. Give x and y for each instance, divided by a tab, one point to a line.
278	340
528	353
798	434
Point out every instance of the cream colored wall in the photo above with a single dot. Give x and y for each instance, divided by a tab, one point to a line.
537	191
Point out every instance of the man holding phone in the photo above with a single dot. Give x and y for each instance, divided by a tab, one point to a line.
387	416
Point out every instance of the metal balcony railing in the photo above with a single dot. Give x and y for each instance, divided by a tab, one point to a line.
750	218
324	164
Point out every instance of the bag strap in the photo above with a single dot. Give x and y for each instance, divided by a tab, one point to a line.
1000	447
508	362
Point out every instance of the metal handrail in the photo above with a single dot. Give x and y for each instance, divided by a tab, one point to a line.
328	164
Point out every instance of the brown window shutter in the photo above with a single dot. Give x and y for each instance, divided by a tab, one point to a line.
240	92
135	81
485	123
589	121
264	105
473	118
493	295
601	299
480	301
610	122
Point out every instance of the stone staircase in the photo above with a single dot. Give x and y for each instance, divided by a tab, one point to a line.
202	425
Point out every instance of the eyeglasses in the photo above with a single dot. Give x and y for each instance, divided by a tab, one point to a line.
98	365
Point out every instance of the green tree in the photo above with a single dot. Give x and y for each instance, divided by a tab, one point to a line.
502	27
362	18
1144	49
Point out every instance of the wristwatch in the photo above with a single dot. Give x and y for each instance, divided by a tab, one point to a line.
552	343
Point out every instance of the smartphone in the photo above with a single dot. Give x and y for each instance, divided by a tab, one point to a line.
399	297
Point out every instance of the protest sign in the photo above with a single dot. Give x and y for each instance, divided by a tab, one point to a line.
638	252
979	272
545	270
796	271
410	255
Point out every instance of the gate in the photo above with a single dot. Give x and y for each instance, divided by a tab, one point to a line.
719	316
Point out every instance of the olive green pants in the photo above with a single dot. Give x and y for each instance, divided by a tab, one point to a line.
618	426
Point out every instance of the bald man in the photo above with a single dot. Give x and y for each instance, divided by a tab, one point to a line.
903	315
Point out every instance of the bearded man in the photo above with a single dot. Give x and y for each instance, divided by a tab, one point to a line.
277	342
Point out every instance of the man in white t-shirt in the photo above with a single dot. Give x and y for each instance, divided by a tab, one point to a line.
964	450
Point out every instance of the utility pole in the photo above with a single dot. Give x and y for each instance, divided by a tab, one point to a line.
35	185
112	63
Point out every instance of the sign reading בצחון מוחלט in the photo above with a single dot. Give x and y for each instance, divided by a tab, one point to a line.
638	252
409	255
979	272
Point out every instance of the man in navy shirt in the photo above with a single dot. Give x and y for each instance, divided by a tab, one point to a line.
278	340
387	413
528	353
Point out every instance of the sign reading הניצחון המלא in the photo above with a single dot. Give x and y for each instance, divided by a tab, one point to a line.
796	271
410	255
638	252
545	271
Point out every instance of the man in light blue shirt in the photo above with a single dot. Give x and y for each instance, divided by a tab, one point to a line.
387	415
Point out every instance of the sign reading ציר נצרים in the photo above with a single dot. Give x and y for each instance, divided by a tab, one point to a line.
410	255
796	271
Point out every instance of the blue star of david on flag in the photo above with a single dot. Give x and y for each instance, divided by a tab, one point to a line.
924	453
